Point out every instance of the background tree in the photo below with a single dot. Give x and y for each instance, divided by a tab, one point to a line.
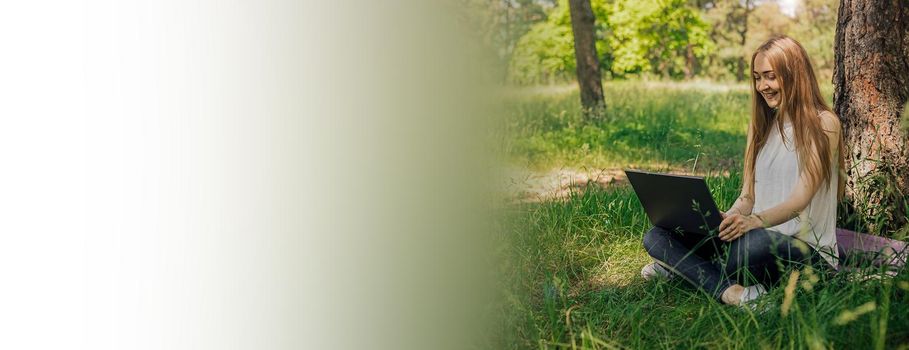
545	54
764	21
502	23
667	39
815	28
742	31
728	30
872	86
585	50
664	38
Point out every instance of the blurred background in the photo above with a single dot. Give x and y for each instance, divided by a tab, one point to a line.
675	78
665	39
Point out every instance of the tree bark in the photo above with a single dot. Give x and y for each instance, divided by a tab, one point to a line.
743	35
689	62
585	52
872	86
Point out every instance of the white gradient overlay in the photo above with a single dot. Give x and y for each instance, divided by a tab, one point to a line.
237	175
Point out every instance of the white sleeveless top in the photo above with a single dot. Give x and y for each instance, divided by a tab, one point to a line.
776	173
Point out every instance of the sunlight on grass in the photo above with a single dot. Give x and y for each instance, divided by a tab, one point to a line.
585	254
645	124
573	265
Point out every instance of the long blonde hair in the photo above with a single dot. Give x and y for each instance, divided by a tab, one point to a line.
801	102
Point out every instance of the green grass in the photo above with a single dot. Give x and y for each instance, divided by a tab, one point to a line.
663	125
584	255
656	125
572	267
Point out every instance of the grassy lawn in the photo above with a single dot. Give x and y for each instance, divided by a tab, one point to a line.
573	266
652	125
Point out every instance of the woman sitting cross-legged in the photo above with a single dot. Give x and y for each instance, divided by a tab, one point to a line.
786	214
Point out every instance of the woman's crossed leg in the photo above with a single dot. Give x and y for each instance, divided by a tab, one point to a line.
714	266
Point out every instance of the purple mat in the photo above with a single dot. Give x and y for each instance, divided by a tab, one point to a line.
862	249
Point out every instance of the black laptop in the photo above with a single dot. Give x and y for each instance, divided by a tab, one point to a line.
676	202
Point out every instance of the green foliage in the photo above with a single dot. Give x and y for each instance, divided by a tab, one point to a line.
815	28
655	36
499	24
668	38
546	53
728	22
649	37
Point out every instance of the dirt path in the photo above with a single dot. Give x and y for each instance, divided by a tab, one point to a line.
528	186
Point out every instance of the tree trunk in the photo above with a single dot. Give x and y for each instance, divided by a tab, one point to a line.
689	62
585	52
743	35
872	86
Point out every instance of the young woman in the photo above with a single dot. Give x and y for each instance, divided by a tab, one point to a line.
793	178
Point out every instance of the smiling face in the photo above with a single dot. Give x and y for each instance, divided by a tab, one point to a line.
765	80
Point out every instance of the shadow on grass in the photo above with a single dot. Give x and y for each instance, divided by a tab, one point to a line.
575	283
670	126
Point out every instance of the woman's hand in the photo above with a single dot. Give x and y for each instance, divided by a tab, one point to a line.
734	225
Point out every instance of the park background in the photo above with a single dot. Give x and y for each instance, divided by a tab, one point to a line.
675	87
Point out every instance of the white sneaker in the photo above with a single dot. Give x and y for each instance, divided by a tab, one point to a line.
751	293
655	270
750	298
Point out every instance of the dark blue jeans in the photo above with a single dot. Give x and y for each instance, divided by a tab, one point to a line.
712	265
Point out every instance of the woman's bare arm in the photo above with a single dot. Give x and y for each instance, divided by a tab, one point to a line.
742	205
